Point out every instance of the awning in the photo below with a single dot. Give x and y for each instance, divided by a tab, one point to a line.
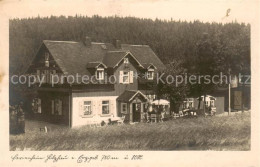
129	95
161	102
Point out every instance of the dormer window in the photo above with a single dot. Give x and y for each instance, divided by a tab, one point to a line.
150	74
126	61
100	74
47	60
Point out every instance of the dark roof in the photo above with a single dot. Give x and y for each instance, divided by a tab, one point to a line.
68	55
74	57
144	54
113	57
128	95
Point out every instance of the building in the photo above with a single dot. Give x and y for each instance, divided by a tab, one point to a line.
216	101
118	78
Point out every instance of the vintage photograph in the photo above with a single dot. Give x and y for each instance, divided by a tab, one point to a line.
82	81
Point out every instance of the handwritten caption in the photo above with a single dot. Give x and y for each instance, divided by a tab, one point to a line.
54	158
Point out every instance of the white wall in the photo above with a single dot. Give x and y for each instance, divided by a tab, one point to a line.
78	120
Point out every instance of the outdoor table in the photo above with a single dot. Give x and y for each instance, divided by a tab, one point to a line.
115	119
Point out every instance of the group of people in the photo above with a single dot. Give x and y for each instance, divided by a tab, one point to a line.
160	113
17	121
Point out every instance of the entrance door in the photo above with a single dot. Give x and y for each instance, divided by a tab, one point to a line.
136	112
237	100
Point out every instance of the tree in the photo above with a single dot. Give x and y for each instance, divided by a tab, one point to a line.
204	65
170	86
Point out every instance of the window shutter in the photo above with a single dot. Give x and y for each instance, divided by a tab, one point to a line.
80	110
120	76
110	106
39	106
131	77
52	107
91	106
60	107
38	75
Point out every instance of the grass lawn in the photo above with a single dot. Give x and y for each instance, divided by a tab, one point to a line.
211	133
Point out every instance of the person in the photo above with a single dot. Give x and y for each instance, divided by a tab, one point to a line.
163	113
20	119
144	118
13	120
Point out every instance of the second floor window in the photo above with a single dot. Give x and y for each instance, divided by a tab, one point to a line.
100	74
150	74
126	77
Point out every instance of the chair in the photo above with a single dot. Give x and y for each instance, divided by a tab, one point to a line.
153	118
121	121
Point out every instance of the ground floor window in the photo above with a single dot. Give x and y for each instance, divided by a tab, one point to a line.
210	103
56	107
105	107
124	108
188	103
87	108
36	105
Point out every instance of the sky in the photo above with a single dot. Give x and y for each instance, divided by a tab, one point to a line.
189	10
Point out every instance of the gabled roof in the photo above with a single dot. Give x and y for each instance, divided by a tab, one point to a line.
113	58
68	55
148	65
95	65
74	57
129	95
144	54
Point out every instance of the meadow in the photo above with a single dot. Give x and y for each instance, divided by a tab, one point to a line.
210	133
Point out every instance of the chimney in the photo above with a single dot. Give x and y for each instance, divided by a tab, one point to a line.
87	41
117	43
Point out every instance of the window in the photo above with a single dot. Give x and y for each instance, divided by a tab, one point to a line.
87	108
36	105
150	74
56	107
212	103
188	103
124	108
125	77
100	74
43	76
105	107
126	61
47	60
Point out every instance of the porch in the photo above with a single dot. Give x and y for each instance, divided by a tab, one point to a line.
132	105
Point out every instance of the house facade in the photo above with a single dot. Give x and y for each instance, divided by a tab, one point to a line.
215	101
80	81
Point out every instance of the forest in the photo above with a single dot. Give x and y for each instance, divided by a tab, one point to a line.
170	40
197	47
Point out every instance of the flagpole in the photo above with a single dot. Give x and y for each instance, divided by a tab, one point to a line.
229	97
